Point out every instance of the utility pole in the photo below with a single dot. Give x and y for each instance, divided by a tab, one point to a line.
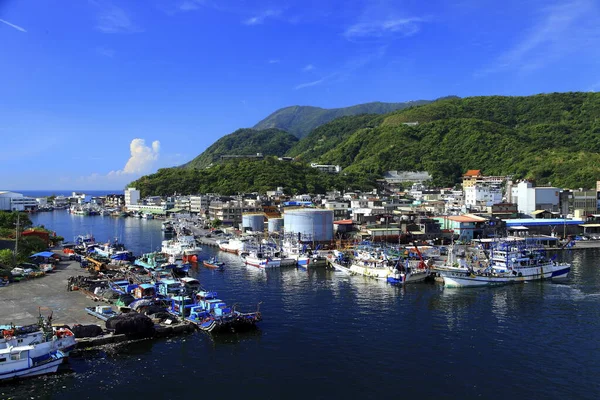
16	239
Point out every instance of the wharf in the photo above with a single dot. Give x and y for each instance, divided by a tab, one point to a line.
22	303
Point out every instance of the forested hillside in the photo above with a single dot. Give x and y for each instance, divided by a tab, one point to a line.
551	138
269	142
245	176
301	120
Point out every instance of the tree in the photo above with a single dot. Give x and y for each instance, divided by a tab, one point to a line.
6	258
216	223
8	219
28	246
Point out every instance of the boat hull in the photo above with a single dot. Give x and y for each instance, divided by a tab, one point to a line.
48	367
464	279
411	277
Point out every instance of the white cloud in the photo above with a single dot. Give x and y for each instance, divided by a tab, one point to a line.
105	52
348	68
559	30
115	20
274	61
142	157
260	18
17	27
384	27
190	5
309	84
309	67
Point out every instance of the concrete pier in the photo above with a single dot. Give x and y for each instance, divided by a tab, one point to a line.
22	301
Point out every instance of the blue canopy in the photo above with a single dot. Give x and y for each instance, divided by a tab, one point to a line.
43	254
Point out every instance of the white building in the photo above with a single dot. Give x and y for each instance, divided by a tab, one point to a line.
529	198
199	203
11	201
332	169
132	197
482	195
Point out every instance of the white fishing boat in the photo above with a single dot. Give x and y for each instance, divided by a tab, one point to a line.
181	247
262	260
45	337
511	261
233	245
20	361
374	268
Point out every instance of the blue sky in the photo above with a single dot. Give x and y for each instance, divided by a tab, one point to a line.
97	93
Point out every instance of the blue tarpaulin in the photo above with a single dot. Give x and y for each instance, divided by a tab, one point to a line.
43	254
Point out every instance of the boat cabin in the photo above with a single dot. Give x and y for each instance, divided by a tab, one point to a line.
216	306
205	295
190	284
177	302
144	290
169	287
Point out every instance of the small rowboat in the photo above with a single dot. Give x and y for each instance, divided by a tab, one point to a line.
213	263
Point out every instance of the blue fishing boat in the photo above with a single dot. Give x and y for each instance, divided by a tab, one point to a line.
213	263
212	314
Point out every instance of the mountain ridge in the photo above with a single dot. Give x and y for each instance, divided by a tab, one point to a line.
301	120
549	138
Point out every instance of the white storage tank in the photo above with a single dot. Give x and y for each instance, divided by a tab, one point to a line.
275	225
254	222
310	223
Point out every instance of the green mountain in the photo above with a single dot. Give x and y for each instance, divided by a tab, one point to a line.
241	176
269	142
301	120
550	138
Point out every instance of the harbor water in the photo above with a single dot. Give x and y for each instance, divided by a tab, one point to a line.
328	335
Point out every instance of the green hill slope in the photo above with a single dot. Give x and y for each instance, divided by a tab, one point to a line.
240	175
269	142
301	120
551	138
544	137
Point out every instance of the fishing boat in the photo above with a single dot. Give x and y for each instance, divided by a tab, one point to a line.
211	314
512	260
182	248
213	263
262	260
167	227
102	312
411	270
408	273
338	261
28	360
114	251
42	335
151	261
233	245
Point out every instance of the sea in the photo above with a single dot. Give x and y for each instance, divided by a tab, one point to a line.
326	335
67	193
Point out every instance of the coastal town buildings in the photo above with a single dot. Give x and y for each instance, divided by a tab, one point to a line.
132	197
12	201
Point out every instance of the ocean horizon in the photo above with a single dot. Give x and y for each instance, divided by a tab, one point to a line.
57	192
